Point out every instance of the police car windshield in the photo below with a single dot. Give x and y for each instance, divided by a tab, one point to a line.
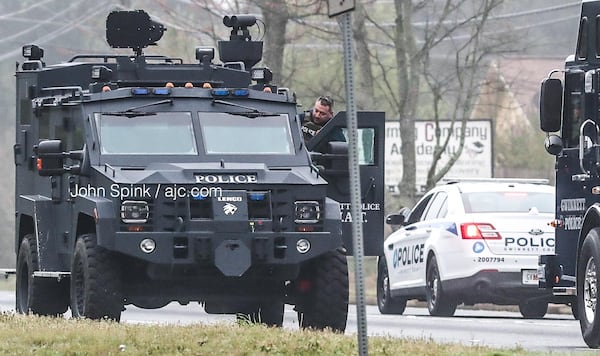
166	133
224	133
508	202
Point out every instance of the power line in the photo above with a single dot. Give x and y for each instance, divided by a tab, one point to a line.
27	9
102	6
51	20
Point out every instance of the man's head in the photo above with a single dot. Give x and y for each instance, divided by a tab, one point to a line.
323	110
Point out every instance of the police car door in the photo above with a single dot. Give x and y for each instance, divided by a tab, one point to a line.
405	249
371	148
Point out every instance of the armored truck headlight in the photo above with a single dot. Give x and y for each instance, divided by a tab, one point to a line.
307	212
134	212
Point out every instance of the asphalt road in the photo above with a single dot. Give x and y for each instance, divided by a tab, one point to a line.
557	333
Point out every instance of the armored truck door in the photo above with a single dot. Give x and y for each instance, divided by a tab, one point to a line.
332	160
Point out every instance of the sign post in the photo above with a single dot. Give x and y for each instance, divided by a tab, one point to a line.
344	7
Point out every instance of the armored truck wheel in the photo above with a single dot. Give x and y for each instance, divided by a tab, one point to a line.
587	288
270	314
438	302
325	304
96	290
385	303
533	309
42	296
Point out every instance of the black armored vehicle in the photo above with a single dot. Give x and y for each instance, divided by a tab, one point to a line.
570	115
142	180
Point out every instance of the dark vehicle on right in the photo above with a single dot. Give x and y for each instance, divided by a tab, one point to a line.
570	115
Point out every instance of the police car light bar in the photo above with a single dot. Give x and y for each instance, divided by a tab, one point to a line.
496	180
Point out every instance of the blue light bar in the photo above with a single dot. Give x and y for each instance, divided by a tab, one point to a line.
198	196
161	91
220	92
257	196
240	92
140	91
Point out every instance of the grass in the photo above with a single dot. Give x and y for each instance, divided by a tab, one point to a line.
32	335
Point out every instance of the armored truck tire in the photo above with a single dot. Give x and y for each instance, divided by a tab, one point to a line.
533	309
438	302
269	313
574	309
96	287
41	296
325	305
587	288
385	302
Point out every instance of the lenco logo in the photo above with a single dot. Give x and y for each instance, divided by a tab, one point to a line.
229	198
226	178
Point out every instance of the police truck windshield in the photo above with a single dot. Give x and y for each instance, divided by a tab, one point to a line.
224	133
163	133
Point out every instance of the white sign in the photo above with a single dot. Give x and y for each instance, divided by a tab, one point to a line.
475	160
337	7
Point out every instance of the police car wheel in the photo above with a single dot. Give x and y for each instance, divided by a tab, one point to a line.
438	302
95	282
41	296
385	303
587	288
533	309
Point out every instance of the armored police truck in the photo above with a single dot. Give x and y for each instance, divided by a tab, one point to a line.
142	180
570	104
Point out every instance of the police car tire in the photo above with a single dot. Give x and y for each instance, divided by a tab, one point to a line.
326	306
590	249
96	288
533	309
41	296
385	302
270	314
438	302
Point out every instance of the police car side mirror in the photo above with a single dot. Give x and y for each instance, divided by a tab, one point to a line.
398	218
50	161
394	219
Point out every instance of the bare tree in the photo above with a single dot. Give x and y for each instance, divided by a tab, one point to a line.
456	34
460	83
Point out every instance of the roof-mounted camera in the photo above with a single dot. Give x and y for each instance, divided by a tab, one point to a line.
239	25
132	29
240	47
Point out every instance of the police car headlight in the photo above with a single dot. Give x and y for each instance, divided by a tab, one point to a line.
307	212
134	212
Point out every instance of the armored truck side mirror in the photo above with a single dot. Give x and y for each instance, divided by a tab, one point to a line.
553	145
83	168
50	161
551	98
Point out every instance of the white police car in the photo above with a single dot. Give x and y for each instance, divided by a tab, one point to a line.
469	241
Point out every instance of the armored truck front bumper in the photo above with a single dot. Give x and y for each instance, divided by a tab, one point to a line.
231	253
232	233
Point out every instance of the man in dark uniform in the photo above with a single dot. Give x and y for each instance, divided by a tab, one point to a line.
314	119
